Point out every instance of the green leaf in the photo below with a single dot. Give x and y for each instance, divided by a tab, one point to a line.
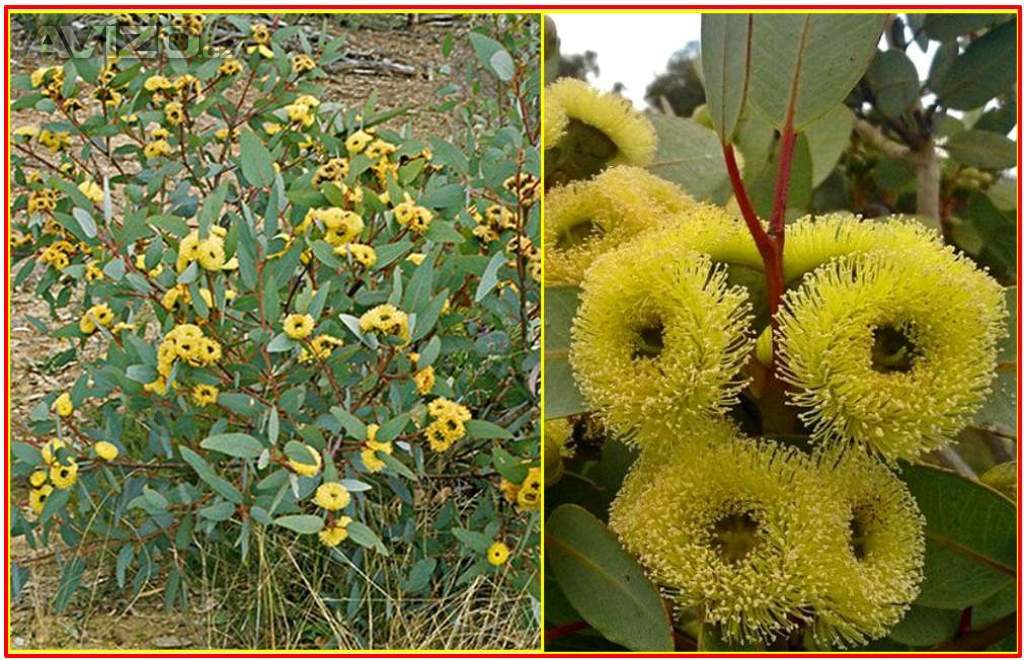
509	466
893	79
391	429
808	62
970	535
481	428
827	139
725	59
239	445
947	27
926	626
419	575
397	466
26	453
218	512
489	278
605	585
240	403
356	429
561	395
70	579
990	151
493	56
981	72
299	452
364	536
220	485
301	523
85	222
325	253
475	541
257	163
281	343
690	155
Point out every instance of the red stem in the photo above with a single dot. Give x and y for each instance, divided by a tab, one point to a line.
561	631
778	223
767	245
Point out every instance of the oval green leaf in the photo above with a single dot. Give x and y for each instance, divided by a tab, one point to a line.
605	585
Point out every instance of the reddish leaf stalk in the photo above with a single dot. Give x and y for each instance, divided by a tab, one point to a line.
778	222
768	246
561	631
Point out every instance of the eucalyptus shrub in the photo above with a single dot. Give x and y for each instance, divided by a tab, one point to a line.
284	314
779	393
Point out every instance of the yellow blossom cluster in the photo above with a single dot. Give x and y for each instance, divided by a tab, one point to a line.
448	425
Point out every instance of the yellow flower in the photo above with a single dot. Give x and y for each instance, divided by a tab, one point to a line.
37	498
373	462
424	379
341	226
299	114
320	348
62	405
442	407
332	496
229	67
497	554
873	568
158	386
416	258
386	319
298	326
271	128
264	51
302	63
659	338
93	272
365	255
174	112
405	212
525	186
157	83
730	525
358	141
64	476
95	316
29	131
106	450
37	478
157	148
335	532
211	254
529	493
892	350
209	350
260	33
585	219
307	469
204	395
611	130
92	191
555	121
51	450
380	149
814	240
437	438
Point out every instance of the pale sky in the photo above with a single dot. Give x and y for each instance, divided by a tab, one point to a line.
634	48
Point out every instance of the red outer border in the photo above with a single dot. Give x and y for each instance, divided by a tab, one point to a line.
525	7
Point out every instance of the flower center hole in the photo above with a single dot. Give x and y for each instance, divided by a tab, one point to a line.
893	350
650	340
578	233
859	528
735	537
